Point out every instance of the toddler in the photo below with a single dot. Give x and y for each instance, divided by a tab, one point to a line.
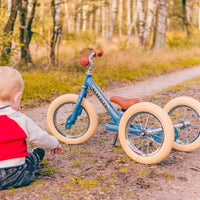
17	165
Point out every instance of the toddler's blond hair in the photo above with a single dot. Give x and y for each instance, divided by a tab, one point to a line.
11	82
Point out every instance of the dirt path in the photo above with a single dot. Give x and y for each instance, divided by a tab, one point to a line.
138	89
95	170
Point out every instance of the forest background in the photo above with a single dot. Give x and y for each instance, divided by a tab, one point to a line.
140	38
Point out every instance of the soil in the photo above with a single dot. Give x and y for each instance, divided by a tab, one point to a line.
95	170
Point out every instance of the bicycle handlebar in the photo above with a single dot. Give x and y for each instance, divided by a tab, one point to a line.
85	59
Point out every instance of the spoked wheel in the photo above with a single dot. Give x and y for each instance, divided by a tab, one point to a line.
58	113
185	115
146	133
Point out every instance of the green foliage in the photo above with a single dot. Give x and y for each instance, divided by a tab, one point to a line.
5	39
177	40
175	14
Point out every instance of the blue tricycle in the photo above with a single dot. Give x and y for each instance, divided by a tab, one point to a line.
145	130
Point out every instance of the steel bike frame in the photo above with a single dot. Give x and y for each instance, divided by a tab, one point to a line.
90	83
115	115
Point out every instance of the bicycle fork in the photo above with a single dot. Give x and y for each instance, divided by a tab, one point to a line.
77	109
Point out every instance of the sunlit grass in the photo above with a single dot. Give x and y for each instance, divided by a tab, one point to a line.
120	63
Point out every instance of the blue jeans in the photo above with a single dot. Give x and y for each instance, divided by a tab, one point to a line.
22	175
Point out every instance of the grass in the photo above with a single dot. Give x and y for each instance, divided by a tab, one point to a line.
121	65
48	168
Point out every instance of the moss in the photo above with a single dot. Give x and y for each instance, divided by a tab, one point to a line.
143	173
12	190
77	162
123	170
82	182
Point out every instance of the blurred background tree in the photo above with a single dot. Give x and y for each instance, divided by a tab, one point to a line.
35	25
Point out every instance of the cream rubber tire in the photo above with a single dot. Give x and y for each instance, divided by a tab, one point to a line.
161	116
87	108
190	108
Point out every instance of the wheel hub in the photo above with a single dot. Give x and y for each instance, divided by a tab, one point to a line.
186	124
143	133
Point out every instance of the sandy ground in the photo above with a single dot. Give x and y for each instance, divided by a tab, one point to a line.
175	178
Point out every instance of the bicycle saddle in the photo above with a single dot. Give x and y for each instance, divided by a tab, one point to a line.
124	103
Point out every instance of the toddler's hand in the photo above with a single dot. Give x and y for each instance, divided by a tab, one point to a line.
57	150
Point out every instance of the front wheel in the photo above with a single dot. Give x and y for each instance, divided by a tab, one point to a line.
58	113
146	133
185	114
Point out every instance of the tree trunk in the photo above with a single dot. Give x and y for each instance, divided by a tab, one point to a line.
66	24
103	18
136	8
149	23
185	19
57	29
85	9
97	18
9	7
91	22
29	32
73	18
41	18
199	15
107	22
161	24
120	16
23	17
78	22
8	30
128	17
112	19
195	13
141	21
26	19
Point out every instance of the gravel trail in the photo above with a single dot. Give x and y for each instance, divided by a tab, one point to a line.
138	89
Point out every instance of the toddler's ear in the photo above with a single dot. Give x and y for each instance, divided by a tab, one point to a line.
17	96
16	100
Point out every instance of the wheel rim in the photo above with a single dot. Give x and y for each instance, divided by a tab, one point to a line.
79	128
144	134
186	122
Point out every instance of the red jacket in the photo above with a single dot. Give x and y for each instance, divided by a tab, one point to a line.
12	139
15	129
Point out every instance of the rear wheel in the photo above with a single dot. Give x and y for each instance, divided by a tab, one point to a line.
185	115
58	113
146	133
